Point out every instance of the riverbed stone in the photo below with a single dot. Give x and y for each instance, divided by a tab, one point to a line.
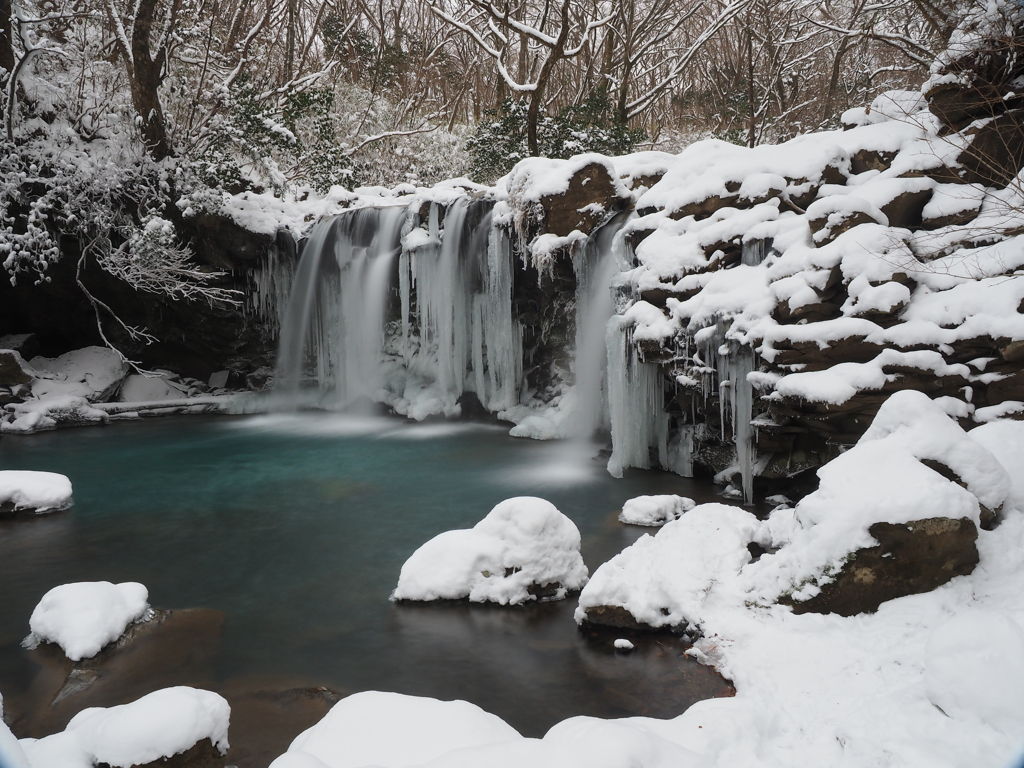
910	558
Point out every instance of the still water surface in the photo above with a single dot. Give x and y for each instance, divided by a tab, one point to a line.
296	528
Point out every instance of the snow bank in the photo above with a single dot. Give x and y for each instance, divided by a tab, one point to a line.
390	730
35	491
83	617
663	580
522	544
159	725
655	510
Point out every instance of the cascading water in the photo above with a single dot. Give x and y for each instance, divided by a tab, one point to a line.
595	267
339	319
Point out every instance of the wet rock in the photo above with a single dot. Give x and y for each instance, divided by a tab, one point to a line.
590	199
14	371
614	616
910	559
25	344
174	647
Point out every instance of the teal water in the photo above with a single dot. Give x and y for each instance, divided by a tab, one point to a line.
296	528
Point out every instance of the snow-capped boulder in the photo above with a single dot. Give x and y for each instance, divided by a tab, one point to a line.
94	373
896	515
523	550
655	510
23	491
50	413
83	617
392	730
148	389
187	724
662	581
1005	440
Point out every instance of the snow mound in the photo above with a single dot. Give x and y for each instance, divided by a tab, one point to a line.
94	373
36	491
663	580
655	510
909	465
391	730
85	616
159	725
523	543
148	389
1005	440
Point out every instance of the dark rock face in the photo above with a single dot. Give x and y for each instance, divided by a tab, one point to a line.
614	616
193	338
590	199
909	559
996	151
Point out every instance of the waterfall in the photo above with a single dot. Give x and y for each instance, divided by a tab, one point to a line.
336	310
636	403
595	267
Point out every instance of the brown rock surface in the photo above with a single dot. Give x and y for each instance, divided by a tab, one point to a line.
909	559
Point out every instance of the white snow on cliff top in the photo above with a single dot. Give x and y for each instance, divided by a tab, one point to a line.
34	491
85	616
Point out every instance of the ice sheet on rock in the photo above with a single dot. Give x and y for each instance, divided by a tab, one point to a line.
38	491
655	510
157	726
391	730
94	373
663	580
85	616
523	542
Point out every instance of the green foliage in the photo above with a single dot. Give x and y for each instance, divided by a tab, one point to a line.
253	132
498	144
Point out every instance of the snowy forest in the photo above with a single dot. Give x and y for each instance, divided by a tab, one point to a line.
458	383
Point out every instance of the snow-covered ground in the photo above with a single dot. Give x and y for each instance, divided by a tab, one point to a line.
522	544
85	616
24	490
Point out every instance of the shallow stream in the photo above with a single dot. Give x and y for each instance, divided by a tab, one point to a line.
295	527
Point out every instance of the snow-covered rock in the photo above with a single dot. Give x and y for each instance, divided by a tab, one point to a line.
1005	440
523	549
50	413
655	510
94	373
157	726
663	580
11	753
83	617
28	491
146	389
913	464
391	730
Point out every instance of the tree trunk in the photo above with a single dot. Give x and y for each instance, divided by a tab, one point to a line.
6	41
146	77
